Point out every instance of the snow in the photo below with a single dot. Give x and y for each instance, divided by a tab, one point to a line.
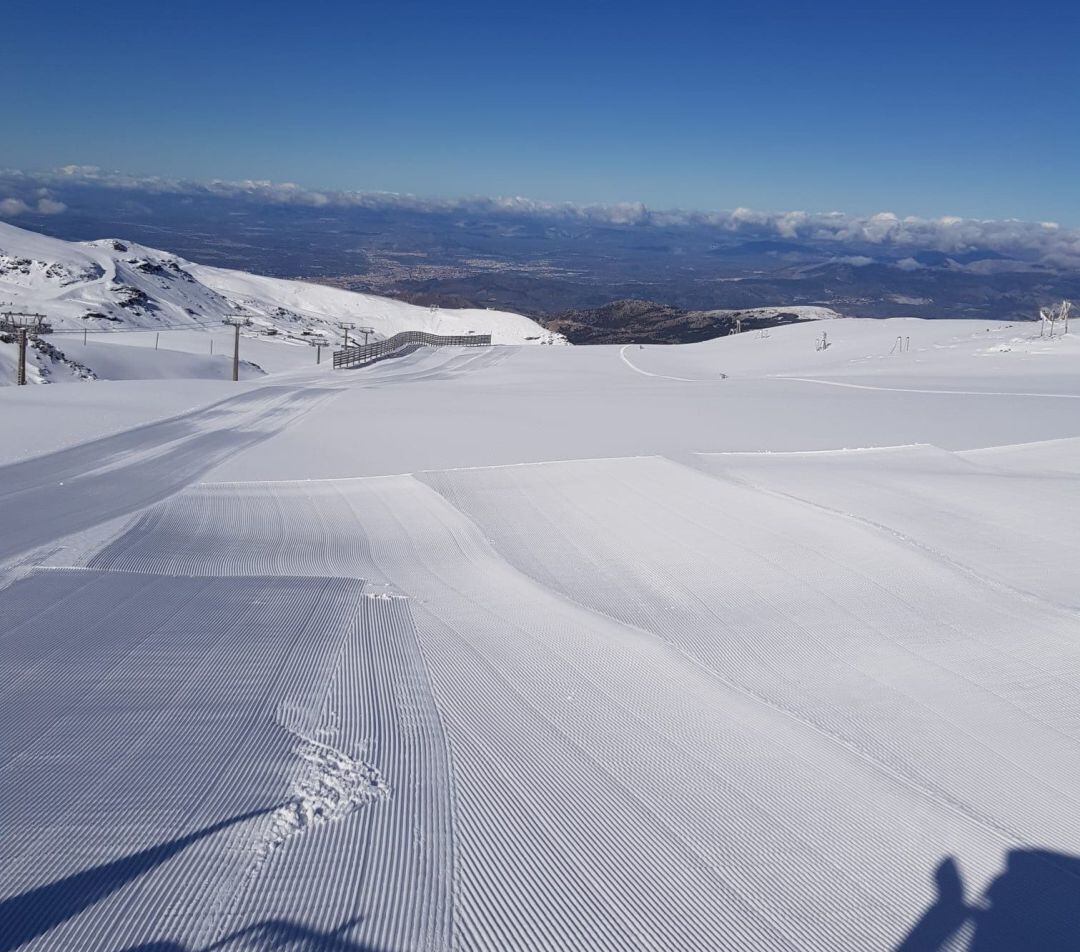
112	287
947	354
386	316
39	420
744	644
804	312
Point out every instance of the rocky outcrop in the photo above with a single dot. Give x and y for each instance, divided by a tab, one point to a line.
646	322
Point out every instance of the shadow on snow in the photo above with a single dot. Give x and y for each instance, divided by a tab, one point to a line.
36	911
271	935
1033	904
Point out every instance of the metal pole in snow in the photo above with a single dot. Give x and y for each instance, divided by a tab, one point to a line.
345	325
20	379
236	322
157	337
23	324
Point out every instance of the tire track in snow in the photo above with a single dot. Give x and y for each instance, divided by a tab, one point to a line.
441	363
204	532
52	496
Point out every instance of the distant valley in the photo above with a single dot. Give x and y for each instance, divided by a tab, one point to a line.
570	267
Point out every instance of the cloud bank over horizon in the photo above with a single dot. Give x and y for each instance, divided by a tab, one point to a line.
1040	243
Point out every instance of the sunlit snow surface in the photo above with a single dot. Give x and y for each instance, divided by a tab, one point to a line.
169	312
741	645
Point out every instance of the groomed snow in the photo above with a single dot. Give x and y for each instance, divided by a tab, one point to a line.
740	645
110	287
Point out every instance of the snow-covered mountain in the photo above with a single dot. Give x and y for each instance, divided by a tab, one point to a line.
111	284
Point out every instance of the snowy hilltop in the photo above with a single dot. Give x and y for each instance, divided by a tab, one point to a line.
112	285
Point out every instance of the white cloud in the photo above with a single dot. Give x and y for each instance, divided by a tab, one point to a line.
49	206
10	207
1027	241
884	234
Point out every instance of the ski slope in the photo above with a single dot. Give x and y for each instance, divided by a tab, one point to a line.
111	288
739	645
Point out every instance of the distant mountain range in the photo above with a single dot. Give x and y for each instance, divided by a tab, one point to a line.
548	260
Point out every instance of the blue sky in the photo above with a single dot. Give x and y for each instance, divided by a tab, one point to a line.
927	109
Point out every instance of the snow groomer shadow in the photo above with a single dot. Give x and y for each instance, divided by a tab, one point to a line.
1033	905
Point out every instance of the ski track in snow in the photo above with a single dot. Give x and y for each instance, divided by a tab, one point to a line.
959	516
51	496
734	701
142	712
382	852
647	373
297	704
960	393
562	609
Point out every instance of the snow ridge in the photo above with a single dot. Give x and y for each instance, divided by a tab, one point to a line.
111	285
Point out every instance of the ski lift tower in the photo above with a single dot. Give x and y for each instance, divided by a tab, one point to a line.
346	326
1054	315
236	321
23	325
318	343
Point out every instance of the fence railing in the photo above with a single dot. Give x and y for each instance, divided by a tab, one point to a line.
363	354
